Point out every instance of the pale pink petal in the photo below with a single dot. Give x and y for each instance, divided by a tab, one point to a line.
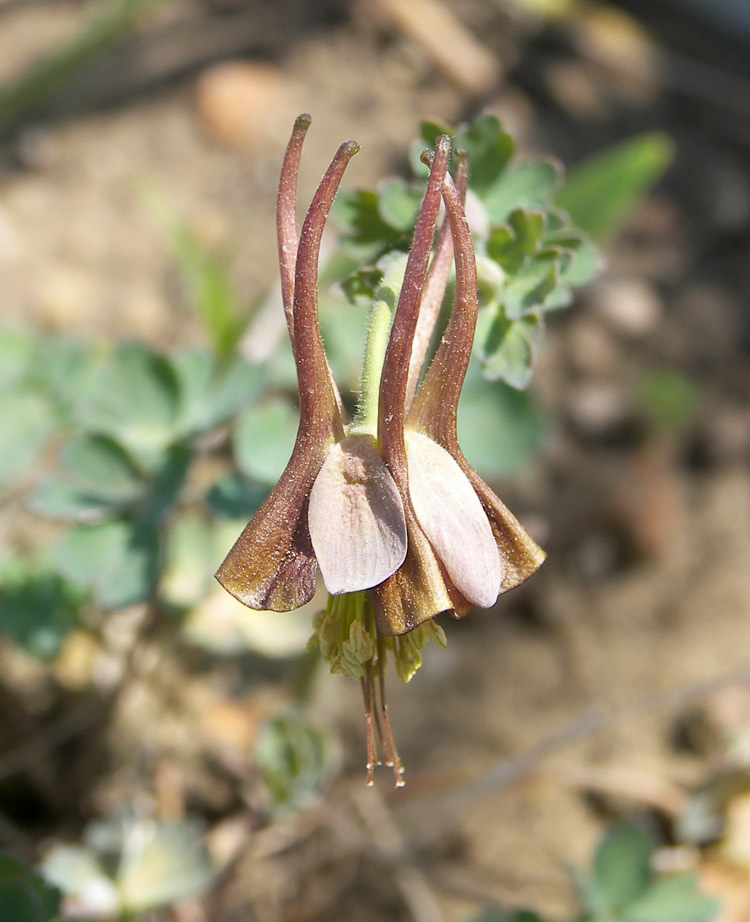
452	517
356	518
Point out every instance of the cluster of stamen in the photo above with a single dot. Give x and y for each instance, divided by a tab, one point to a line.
349	641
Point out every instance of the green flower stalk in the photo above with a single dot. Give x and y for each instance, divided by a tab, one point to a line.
400	525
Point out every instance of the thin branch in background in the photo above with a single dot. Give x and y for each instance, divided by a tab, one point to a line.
593	721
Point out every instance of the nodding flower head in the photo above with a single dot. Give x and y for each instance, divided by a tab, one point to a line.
387	506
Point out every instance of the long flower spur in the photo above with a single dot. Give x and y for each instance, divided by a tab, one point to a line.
400	525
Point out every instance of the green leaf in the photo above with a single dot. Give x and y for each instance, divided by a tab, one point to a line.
360	286
26	425
526	185
118	560
18	351
136	403
499	428
296	759
672	899
235	497
490	150
264	439
38	608
398	204
512	244
622	865
25	897
533	286
164	489
508	348
64	373
357	213
211	392
206	275
98	478
600	193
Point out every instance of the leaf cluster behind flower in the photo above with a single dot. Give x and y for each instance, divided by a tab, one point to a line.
529	255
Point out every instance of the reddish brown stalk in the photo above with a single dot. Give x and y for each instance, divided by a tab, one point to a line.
316	387
286	217
391	408
438	397
389	747
273	565
419	589
434	290
434	411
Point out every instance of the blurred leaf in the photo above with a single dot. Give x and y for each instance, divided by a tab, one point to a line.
264	438
622	865
118	560
499	428
235	497
211	393
490	150
26	425
296	759
79	874
672	899
25	897
535	286
38	608
163	863
586	264
357	214
669	397
208	284
63	371
98	478
361	285
164	489
500	915
511	244
344	328
600	193
153	864
136	403
507	348
525	185
398	204
18	349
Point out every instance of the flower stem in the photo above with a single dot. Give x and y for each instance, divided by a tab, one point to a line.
378	331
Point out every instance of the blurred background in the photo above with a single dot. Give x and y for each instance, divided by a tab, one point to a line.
166	754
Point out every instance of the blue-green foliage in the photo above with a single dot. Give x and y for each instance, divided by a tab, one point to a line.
295	758
103	440
529	255
623	887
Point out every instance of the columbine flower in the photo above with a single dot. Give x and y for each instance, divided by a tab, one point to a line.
273	564
388	503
